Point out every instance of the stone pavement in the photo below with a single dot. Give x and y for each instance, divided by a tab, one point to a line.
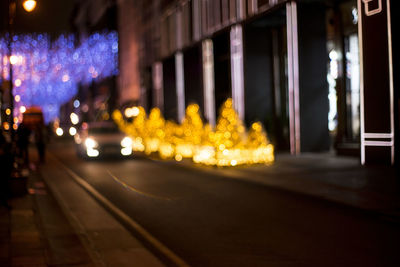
40	230
35	232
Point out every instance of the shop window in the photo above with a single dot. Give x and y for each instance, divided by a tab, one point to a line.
352	85
343	74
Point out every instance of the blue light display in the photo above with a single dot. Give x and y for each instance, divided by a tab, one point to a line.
47	73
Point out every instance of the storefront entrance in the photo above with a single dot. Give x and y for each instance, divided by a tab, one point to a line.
344	77
265	70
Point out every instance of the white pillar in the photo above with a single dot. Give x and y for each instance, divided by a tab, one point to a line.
157	77
180	85
293	77
237	73
208	81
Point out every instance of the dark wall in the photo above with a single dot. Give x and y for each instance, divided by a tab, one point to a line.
193	73
376	82
3	16
107	21
314	106
222	69
258	76
265	56
170	96
148	85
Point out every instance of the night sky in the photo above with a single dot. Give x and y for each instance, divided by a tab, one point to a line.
51	16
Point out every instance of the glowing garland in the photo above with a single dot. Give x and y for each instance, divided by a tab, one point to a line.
229	144
47	73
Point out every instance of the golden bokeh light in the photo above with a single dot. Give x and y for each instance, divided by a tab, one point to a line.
228	144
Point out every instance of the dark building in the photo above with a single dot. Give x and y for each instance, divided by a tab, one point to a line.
317	73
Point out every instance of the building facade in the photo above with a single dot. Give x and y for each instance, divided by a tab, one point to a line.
319	74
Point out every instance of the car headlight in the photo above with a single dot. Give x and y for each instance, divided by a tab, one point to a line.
90	143
72	131
59	131
126	142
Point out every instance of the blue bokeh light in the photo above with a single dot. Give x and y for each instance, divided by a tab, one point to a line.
48	73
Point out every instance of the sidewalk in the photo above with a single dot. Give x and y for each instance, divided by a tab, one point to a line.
39	231
35	232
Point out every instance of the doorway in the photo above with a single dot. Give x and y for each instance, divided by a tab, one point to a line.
344	77
265	70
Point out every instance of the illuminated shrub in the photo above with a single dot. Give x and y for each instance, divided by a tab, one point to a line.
229	144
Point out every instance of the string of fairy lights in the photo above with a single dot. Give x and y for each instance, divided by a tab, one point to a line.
47	73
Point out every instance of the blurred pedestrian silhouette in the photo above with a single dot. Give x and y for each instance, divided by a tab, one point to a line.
40	135
23	134
6	162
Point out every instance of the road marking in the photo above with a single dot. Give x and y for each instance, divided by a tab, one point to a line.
161	248
131	188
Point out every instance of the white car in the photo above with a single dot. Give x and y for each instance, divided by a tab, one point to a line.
97	139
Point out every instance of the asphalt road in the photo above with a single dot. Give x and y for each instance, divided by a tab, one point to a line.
209	220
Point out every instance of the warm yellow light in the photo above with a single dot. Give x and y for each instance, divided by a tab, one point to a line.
90	143
6	126
59	132
91	152
72	131
74	118
65	78
126	151
127	142
228	144
17	83
29	5
13	60
135	111
17	98
132	112
178	157
8	112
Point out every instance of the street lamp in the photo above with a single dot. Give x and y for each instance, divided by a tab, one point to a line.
29	5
